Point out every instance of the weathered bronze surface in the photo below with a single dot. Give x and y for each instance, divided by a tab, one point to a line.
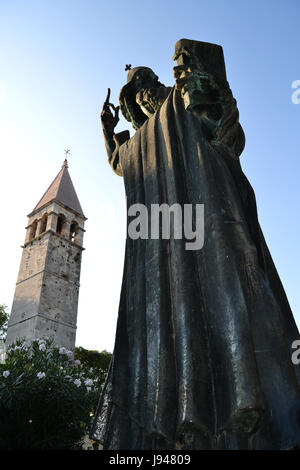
202	357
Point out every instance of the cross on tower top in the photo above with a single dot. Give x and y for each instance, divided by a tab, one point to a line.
65	163
67	152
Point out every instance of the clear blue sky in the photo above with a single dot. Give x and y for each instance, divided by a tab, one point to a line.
57	59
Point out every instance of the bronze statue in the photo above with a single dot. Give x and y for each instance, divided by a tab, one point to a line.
202	356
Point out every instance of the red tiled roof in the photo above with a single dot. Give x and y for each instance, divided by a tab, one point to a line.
61	190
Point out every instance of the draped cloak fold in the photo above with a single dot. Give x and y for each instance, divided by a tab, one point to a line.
202	355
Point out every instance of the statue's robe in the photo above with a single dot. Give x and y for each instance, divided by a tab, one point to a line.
202	354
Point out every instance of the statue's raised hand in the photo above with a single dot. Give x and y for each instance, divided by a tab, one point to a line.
108	119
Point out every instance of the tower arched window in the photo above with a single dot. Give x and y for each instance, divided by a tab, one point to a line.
73	231
60	224
44	223
33	230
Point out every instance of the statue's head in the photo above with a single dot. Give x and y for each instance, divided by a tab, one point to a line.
138	79
142	77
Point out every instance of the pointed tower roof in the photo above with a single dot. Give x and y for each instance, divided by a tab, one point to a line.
61	190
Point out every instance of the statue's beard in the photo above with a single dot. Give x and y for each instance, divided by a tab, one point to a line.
150	99
137	108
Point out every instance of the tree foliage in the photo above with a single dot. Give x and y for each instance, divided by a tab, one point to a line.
3	321
98	361
47	397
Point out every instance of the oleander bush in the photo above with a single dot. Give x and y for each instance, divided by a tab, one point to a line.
47	397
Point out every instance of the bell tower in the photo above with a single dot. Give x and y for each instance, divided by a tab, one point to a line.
46	296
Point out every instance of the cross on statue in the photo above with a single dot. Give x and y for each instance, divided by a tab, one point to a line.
127	67
67	152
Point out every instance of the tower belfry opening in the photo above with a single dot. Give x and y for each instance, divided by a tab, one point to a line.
46	296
